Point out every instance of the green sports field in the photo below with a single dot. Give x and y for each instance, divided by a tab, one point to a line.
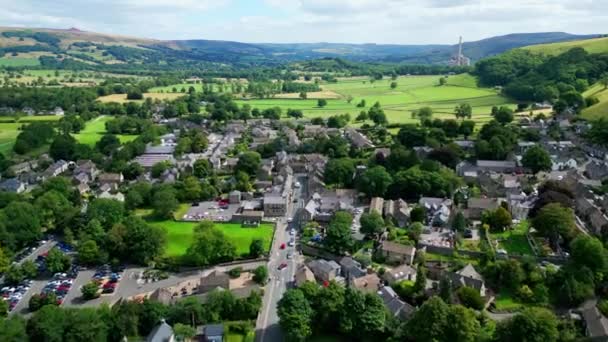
412	92
95	129
180	234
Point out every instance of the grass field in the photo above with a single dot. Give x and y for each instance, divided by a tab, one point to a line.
180	235
18	62
95	129
598	110
514	241
122	98
412	92
9	129
596	45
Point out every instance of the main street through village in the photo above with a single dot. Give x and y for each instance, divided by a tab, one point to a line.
267	325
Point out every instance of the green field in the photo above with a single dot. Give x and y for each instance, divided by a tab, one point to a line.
18	62
514	240
598	110
179	235
9	129
95	129
412	92
596	45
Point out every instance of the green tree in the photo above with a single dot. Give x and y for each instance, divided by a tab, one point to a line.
249	162
339	172
107	212
587	251
374	182
90	291
604	80
372	224
537	159
470	298
56	261
393	85
164	203
4	261
144	242
29	269
183	332
260	274
23	221
256	248
445	289
201	168
210	246
418	214
63	147
504	115
498	220
531	324
295	315
89	253
423	114
159	168
13	329
460	223
338	237
321	103
463	111
553	220
442	81
467	127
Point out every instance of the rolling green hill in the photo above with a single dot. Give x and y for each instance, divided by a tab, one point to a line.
600	109
595	45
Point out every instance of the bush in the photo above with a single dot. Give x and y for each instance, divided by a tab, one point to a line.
470	298
260	275
235	272
90	291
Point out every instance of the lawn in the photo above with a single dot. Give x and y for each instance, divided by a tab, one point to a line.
180	235
506	301
8	135
412	92
514	241
234	337
95	129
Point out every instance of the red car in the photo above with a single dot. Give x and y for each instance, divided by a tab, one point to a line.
282	246
282	265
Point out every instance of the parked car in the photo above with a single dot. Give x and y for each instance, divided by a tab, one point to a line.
282	265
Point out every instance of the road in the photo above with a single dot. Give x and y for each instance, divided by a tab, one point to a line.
267	325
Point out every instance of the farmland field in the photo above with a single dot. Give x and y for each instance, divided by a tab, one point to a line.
180	235
595	45
122	98
95	129
412	92
600	109
18	62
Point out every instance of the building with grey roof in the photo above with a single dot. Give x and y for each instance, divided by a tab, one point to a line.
163	332
394	304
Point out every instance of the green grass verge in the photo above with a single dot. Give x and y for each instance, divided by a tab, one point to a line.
506	301
412	92
95	129
514	241
180	235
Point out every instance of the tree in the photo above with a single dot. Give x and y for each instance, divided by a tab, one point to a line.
303	95
54	208
393	85
107	212
201	168
470	298
256	248
13	329
531	324
22	220
553	221
537	159
159	168
362	116
374	182
107	144
295	315
90	291
587	251
420	283
89	253
467	127
423	114
445	289
132	171
63	147
321	103
372	224
4	261
338	237
164	203
144	242
210	246
183	332
463	111
339	172
460	223
429	322
604	80
504	115
249	162
260	274
47	324
56	261
442	81
498	220
418	214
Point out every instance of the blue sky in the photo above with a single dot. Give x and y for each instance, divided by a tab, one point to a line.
348	21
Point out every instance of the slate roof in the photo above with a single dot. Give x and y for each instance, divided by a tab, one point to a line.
161	333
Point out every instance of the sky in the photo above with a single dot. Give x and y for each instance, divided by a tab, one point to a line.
307	21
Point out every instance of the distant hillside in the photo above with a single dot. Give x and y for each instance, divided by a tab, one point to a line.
595	45
74	48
